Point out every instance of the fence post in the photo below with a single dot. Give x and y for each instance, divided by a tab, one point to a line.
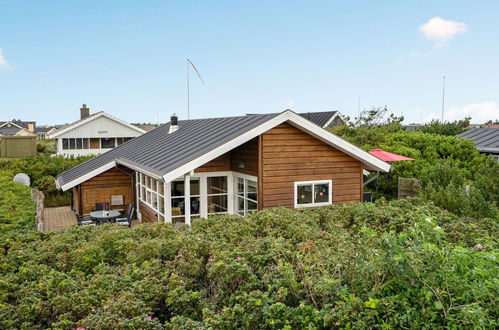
38	197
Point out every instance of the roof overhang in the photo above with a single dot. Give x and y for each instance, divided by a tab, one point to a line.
85	177
370	162
333	117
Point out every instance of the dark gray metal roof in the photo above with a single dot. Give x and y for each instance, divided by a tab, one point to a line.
319	118
9	130
159	152
486	139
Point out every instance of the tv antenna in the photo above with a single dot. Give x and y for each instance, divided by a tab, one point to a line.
189	65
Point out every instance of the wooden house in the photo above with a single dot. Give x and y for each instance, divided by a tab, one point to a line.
189	169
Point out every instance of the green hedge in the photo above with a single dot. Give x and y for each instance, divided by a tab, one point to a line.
43	170
401	264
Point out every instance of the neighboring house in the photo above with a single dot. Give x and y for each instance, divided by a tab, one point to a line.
185	170
486	140
93	134
17	128
42	132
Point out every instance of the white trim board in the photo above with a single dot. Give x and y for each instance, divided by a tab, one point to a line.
93	117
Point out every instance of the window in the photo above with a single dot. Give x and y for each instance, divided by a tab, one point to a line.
85	144
150	192
120	141
217	194
313	193
65	144
246	200
72	144
107	143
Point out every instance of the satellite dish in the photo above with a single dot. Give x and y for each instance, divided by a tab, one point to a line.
22	178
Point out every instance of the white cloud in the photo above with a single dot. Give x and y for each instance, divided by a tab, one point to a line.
440	30
479	113
3	62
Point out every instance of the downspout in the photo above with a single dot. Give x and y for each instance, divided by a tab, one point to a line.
372	179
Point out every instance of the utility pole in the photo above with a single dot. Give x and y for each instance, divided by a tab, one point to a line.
443	98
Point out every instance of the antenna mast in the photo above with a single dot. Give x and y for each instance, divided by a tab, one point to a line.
189	64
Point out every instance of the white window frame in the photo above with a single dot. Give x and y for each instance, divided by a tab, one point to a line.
245	179
166	216
303	183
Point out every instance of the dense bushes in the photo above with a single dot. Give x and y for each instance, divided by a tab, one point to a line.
42	170
454	174
385	265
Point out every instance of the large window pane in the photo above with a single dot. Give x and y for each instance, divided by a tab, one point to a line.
239	205
178	188
217	204
107	143
85	144
194	186
240	186
251	206
321	193
79	144
72	144
217	185
178	206
304	194
65	144
195	206
251	190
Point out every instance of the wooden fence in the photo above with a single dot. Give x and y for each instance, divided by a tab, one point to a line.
17	146
38	197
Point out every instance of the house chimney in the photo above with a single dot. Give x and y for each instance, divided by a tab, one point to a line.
173	124
84	111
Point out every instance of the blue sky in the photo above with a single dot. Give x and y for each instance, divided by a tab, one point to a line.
128	58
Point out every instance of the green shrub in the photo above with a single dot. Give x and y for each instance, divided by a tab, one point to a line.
43	170
399	264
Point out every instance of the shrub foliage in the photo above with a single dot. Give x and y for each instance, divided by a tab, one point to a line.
385	265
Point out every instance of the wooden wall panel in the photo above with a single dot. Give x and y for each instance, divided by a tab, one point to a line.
246	153
101	187
147	214
289	154
218	164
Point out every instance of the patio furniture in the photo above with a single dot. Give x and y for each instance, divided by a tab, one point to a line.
104	216
126	221
101	206
84	220
117	201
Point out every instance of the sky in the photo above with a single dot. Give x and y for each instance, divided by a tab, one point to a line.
128	58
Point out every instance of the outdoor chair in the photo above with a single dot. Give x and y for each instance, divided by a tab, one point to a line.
101	206
84	220
118	202
126	221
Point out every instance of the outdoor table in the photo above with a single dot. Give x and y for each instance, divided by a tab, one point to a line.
104	216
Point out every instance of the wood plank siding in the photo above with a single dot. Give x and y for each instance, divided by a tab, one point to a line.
246	153
288	154
101	187
218	164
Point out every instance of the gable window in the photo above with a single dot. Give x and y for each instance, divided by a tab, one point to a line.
313	193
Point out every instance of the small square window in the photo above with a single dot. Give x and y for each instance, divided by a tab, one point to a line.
313	193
